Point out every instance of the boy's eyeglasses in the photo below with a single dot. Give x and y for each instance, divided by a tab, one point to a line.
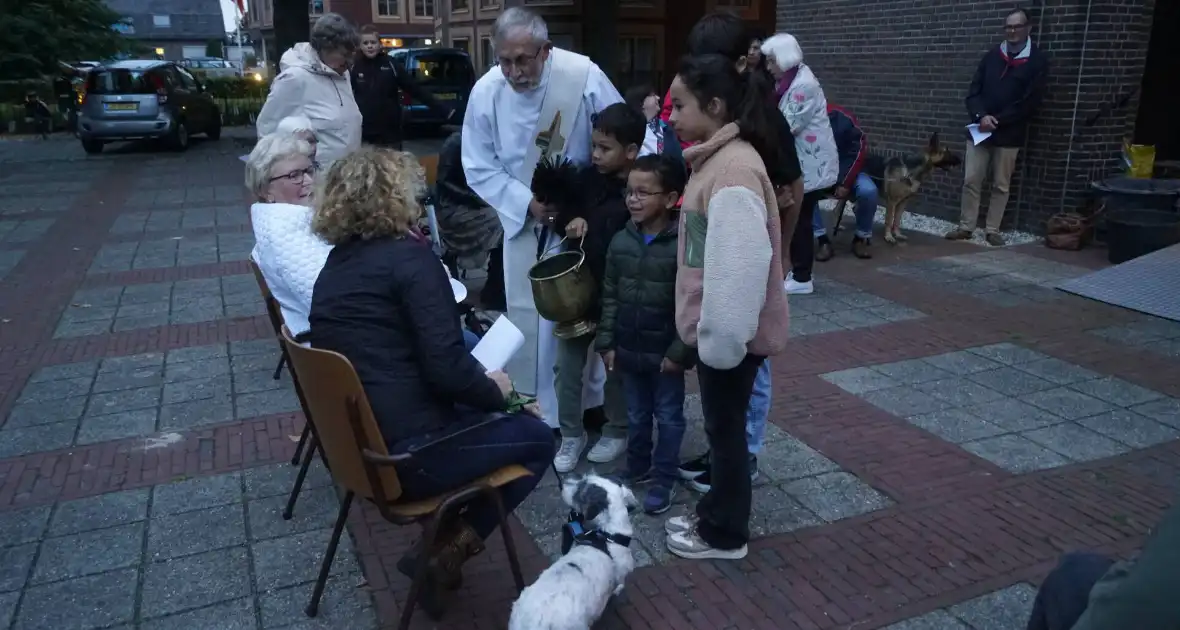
296	175
641	195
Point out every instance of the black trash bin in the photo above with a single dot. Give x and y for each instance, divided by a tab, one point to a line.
1134	232
1132	193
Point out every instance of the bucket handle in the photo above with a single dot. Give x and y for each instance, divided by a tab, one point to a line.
581	248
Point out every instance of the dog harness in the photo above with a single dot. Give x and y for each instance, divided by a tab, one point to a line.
574	532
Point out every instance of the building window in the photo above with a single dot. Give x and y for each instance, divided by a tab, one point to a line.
487	52
565	41
388	8
489	4
637	60
459	5
423	8
162	21
461	43
315	7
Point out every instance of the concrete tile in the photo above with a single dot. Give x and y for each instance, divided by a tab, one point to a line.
256	346
196	494
1007	353
133	363
937	620
905	401
68	329
804	305
197	353
1130	428
344	605
959	392
277	479
117	426
85	313
14	567
1011	414
83	369
130	379
195	414
962	362
23	526
265	403
8	607
1166	411
811	325
86	603
215	388
776	512
87	553
98	512
261	380
124	400
789	459
1067	403
1058	371
894	312
1010	381
296	559
237	614
1118	392
189	370
911	371
316	508
955	425
37	439
1015	453
854	319
48	412
860	380
1076	442
55	390
196	532
1005	609
194	582
837	495
262	361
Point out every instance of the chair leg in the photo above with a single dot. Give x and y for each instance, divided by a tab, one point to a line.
302	442
279	367
509	544
429	534
312	445
313	607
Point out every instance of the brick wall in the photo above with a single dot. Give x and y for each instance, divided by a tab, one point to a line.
903	68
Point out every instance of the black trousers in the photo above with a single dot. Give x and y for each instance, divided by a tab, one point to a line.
725	509
802	250
1065	593
492	296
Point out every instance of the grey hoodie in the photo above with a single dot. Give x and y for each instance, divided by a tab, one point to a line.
306	86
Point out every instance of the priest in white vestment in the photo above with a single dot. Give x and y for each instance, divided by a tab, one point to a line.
538	101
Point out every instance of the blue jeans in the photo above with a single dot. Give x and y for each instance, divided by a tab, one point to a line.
514	439
759	409
657	396
864	192
470	339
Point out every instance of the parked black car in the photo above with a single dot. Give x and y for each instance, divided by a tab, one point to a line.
446	73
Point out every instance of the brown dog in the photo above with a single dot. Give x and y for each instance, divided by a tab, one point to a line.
903	176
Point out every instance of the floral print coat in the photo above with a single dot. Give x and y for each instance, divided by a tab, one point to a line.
806	111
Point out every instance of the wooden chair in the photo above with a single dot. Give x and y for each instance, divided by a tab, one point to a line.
307	440
364	468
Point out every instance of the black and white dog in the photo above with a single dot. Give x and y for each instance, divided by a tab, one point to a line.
571	594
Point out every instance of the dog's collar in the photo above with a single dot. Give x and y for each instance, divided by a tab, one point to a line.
574	533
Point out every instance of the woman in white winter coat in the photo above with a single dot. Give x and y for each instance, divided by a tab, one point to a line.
313	81
801	100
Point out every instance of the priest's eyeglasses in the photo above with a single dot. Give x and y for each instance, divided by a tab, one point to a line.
521	61
296	175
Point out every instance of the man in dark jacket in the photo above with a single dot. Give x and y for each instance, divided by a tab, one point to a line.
377	85
1004	95
853	147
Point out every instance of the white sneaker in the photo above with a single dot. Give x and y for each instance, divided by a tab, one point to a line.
794	287
691	546
569	453
607	449
681	524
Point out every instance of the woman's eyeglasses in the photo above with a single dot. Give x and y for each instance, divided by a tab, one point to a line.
296	175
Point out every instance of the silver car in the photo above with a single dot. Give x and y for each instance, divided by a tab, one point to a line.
137	99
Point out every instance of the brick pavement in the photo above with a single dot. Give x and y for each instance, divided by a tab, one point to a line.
944	426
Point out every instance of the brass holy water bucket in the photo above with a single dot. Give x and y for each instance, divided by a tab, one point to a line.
563	290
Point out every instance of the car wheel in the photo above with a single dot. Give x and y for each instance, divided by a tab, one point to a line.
93	147
214	132
179	139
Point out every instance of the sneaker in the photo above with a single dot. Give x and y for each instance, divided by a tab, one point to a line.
694	468
862	247
569	453
681	524
658	499
703	484
690	545
995	240
823	249
958	234
794	287
629	478
607	449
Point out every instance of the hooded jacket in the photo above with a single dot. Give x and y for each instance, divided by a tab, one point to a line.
307	86
377	85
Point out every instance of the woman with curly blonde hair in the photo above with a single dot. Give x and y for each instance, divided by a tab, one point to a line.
382	301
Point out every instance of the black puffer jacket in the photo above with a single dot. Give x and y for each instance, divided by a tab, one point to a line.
605	212
387	306
639	302
377	85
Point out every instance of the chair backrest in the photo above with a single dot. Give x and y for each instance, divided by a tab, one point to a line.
268	298
430	166
343	420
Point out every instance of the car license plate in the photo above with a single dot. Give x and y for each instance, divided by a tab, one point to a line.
449	96
122	107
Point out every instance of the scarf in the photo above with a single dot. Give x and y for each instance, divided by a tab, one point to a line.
1021	57
784	83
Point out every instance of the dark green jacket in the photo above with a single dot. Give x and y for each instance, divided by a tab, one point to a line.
639	302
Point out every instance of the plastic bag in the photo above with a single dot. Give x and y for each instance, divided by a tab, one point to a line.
1140	160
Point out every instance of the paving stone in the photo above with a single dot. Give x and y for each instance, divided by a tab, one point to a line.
1010	381
1118	392
905	401
196	532
8	602
133	363
1058	371
55	390
296	559
1166	411
86	603
814	305
959	392
98	512
236	614
196	494
214	388
788	459
23	526
962	363
1076	442
261	380
777	512
859	318
1006	609
812	325
255	362
316	508
81	329
911	371
1011	414
256	346
1130	428
277	479
344	605
117	426
196	414
83	369
189	370
15	563
894	312
1067	403
837	495
87	553
48	412
132	379
37	439
1008	353
860	380
197	353
123	400
195	581
937	620
955	425
1015	453
265	403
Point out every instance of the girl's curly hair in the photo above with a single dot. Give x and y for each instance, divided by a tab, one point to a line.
370	194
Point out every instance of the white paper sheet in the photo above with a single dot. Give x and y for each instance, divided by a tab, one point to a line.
502	341
978	136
